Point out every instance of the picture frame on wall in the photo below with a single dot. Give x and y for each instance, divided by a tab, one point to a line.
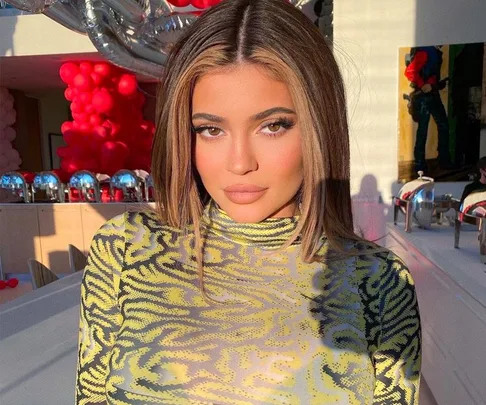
55	142
442	111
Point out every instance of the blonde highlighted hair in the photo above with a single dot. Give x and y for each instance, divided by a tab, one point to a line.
277	36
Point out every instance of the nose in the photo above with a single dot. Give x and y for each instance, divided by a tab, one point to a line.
241	158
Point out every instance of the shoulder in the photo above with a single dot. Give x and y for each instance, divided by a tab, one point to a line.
125	227
382	265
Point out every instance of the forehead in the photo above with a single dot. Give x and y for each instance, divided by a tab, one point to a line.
245	88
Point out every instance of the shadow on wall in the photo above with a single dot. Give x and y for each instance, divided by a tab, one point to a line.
369	210
7	30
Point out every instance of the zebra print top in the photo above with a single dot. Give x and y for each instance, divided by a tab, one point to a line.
344	332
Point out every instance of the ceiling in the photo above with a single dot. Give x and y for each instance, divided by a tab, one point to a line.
34	74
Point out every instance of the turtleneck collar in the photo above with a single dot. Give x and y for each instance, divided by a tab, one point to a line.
270	233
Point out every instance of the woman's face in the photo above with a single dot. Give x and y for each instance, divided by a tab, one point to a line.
248	144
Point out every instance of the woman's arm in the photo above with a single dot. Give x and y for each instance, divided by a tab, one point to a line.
397	359
100	315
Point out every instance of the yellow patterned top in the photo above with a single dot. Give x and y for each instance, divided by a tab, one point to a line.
291	333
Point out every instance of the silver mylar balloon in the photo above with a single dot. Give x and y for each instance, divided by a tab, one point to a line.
51	184
129	183
16	183
87	185
134	34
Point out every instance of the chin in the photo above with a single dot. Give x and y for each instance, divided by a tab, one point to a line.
248	213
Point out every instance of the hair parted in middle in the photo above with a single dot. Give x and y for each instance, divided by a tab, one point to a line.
275	35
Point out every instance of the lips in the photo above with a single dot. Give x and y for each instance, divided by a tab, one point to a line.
244	193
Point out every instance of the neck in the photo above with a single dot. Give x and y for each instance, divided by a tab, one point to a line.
270	233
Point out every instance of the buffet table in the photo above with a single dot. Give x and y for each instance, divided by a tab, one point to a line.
43	231
38	337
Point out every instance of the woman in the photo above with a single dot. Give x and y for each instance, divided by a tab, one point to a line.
249	285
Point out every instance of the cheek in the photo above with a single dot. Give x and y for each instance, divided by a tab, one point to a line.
286	161
207	162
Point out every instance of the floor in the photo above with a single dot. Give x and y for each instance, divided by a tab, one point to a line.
437	246
9	294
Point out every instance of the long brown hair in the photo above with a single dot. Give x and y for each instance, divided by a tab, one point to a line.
276	35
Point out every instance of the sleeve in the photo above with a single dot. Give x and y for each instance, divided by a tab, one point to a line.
412	72
100	317
397	359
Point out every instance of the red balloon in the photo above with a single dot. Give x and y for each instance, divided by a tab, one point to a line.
85	97
112	127
61	174
127	85
204	3
146	144
108	147
103	69
83	82
88	108
71	137
69	94
97	78
86	67
103	102
82	117
123	149
3	284
85	126
180	3
66	126
63	152
95	120
70	165
68	71
140	99
13	282
80	150
100	134
77	107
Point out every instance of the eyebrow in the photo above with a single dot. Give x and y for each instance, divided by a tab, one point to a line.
257	117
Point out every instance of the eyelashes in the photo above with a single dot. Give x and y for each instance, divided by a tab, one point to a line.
275	128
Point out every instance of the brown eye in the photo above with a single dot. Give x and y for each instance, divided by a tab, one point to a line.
214	131
274	127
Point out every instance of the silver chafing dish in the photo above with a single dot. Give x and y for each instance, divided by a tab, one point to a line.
87	185
17	184
50	183
416	201
129	183
473	211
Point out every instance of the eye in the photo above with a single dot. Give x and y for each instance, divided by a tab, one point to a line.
277	127
274	127
207	131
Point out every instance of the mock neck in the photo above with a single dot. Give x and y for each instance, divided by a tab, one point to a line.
270	233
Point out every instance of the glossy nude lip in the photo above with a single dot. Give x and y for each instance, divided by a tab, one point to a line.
244	193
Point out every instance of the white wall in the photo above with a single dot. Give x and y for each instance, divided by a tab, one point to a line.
39	35
368	34
367	37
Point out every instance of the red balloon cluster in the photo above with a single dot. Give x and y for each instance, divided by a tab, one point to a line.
108	131
12	283
202	4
